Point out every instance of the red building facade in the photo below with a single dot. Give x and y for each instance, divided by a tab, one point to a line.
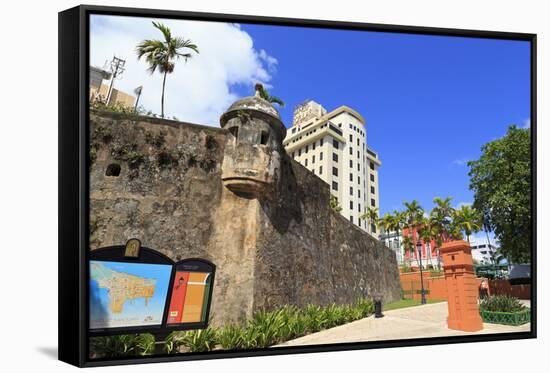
429	251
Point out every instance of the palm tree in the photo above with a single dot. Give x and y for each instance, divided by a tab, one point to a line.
397	226
441	218
161	54
266	96
387	222
371	215
413	217
468	220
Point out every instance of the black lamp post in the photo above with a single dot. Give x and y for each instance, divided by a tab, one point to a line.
422	294
378	306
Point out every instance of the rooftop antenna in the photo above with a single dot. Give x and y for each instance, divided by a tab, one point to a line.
117	68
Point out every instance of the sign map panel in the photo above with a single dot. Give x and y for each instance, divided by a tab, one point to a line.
126	294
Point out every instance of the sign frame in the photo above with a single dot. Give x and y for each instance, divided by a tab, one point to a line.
150	256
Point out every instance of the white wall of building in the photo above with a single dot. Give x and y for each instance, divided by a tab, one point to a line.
334	147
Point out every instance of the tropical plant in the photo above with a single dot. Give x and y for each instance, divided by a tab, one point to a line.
266	96
441	220
501	303
427	232
371	216
386	222
414	213
501	181
334	205
468	219
122	345
162	54
230	337
197	340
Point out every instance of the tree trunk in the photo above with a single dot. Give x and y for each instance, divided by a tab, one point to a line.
162	97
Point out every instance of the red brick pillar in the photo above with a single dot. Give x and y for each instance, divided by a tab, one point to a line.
462	287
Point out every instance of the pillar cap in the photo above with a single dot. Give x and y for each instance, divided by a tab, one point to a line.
454	246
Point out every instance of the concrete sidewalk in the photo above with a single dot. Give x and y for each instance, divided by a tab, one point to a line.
425	321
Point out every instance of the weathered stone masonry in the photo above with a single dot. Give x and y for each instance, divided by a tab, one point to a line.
273	237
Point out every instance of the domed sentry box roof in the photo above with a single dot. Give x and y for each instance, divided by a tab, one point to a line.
257	107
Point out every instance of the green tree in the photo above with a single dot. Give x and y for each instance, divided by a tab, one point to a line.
501	181
334	205
386	223
468	219
161	54
441	220
266	96
414	213
371	216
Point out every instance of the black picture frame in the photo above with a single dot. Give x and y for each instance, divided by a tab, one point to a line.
74	181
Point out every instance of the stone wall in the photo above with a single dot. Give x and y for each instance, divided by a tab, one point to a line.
287	247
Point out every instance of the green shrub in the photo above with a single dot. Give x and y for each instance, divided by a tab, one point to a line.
122	345
265	329
200	340
501	303
230	337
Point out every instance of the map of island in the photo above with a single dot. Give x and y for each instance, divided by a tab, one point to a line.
127	294
122	286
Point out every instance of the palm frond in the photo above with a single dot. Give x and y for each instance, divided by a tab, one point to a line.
165	31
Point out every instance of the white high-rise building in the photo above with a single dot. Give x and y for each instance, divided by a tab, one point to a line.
333	145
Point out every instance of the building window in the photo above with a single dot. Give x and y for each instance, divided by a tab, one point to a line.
359	193
307	148
359	208
351	191
358	155
350	163
350	138
351	205
350	150
350	126
334	185
351	218
334	171
372	190
372	202
320	170
350	177
357	142
293	155
335	157
371	165
313	159
371	177
315	142
373	228
335	144
359	180
299	152
321	156
306	161
358	166
321	142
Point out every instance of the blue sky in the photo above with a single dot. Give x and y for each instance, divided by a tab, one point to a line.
430	102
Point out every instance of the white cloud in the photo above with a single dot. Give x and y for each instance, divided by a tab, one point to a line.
200	89
460	162
526	123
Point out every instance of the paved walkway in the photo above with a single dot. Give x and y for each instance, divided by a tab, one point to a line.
425	321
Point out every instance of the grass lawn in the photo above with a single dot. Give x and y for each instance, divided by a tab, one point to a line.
404	303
